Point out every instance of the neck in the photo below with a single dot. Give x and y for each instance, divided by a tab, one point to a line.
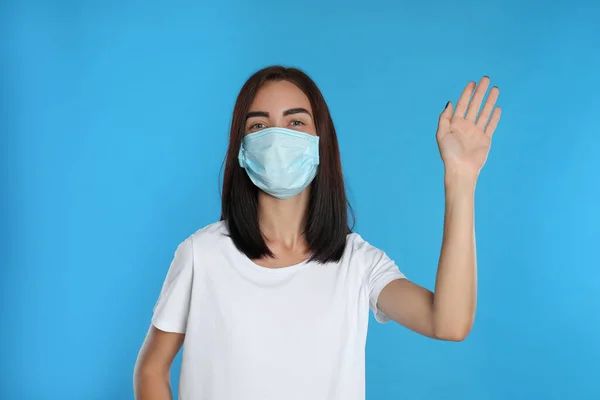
283	221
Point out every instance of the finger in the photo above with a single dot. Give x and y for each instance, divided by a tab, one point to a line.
463	101
487	108
489	130
475	104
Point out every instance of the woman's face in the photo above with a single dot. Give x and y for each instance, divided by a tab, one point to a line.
280	104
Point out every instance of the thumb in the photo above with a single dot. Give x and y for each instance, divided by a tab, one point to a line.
445	117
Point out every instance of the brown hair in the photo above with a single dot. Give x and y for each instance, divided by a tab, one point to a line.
327	223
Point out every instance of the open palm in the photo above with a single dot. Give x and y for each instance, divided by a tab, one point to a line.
464	140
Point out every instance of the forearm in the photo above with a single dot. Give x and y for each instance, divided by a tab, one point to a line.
455	293
152	386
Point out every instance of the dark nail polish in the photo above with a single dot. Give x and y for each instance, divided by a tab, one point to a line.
447	104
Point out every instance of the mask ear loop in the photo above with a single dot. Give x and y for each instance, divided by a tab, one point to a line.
242	157
316	154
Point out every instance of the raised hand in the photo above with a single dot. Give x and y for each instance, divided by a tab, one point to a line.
463	137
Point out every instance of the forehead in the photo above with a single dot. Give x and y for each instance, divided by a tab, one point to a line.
280	95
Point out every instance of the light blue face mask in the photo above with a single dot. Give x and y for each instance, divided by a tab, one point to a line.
281	162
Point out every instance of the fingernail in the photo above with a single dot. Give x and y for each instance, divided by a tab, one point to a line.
447	104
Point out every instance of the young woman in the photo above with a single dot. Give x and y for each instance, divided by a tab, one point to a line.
272	301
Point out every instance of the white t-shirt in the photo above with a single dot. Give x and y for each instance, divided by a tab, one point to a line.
255	333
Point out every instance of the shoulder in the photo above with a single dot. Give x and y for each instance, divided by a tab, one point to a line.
210	236
356	243
377	267
361	250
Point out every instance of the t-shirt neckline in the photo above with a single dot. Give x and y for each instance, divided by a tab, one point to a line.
280	270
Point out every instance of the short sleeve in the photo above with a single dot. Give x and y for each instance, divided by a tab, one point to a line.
383	270
173	305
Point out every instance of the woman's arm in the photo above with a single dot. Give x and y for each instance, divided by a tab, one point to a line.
456	283
449	313
152	369
464	140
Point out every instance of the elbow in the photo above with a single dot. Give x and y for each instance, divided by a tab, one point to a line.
458	336
454	333
145	374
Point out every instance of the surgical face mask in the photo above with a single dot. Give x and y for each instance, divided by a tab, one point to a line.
281	162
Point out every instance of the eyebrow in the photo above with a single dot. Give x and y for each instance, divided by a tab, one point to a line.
291	111
257	114
296	111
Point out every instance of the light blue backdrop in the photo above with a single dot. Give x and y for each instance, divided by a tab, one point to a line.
114	124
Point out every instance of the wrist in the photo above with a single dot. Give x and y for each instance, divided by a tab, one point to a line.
460	180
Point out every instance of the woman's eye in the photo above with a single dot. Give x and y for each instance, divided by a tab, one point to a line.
297	123
257	126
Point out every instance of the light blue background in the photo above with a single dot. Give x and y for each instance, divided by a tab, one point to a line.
114	123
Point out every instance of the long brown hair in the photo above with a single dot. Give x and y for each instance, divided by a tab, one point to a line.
327	223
